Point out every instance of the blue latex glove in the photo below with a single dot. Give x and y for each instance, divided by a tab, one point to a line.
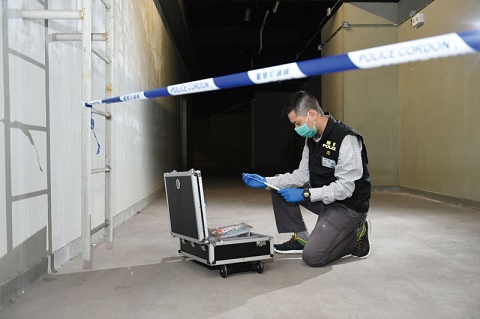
253	180
292	195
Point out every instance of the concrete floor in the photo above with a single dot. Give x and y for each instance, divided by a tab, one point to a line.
424	264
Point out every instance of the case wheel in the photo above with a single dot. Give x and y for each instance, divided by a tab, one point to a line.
223	271
241	267
259	267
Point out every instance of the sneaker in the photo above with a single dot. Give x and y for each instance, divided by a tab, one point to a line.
363	242
294	246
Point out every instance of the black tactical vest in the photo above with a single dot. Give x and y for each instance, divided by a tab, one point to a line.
323	158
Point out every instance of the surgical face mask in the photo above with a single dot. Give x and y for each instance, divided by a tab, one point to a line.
305	131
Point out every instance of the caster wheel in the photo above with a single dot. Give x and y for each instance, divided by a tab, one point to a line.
224	271
259	267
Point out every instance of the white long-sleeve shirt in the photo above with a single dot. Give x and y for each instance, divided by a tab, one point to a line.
348	169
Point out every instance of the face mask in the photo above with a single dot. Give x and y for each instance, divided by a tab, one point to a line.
305	131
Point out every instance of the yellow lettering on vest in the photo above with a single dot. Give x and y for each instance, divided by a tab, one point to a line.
330	147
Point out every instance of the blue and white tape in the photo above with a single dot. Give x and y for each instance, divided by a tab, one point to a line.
441	46
417	50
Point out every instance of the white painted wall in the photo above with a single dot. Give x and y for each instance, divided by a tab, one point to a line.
24	190
3	213
43	105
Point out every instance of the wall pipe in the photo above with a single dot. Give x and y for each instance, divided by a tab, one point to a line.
52	14
101	55
106	3
99	227
86	115
106	114
108	123
346	25
77	37
446	45
100	170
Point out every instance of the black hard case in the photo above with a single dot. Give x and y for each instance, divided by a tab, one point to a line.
186	206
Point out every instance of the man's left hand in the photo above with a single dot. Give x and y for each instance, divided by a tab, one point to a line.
292	195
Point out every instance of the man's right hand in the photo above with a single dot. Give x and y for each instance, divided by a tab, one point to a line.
254	180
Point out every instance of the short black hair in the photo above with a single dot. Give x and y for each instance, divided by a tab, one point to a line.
301	102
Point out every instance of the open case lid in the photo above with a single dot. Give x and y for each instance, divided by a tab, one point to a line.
186	204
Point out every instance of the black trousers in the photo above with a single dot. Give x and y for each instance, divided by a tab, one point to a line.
334	234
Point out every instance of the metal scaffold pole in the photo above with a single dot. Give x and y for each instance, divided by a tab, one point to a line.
108	123
86	166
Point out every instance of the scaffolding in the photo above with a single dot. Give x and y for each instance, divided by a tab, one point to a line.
86	37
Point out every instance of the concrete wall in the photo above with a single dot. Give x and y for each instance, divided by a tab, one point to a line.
367	100
419	120
439	109
40	130
333	38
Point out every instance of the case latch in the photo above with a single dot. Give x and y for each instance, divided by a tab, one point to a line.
261	243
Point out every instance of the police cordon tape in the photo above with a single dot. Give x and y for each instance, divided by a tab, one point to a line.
441	46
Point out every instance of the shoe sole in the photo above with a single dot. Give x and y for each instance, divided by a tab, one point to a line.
369	231
288	252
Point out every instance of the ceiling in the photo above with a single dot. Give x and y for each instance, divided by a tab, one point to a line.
226	41
221	37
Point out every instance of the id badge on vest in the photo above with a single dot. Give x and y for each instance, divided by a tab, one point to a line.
326	162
